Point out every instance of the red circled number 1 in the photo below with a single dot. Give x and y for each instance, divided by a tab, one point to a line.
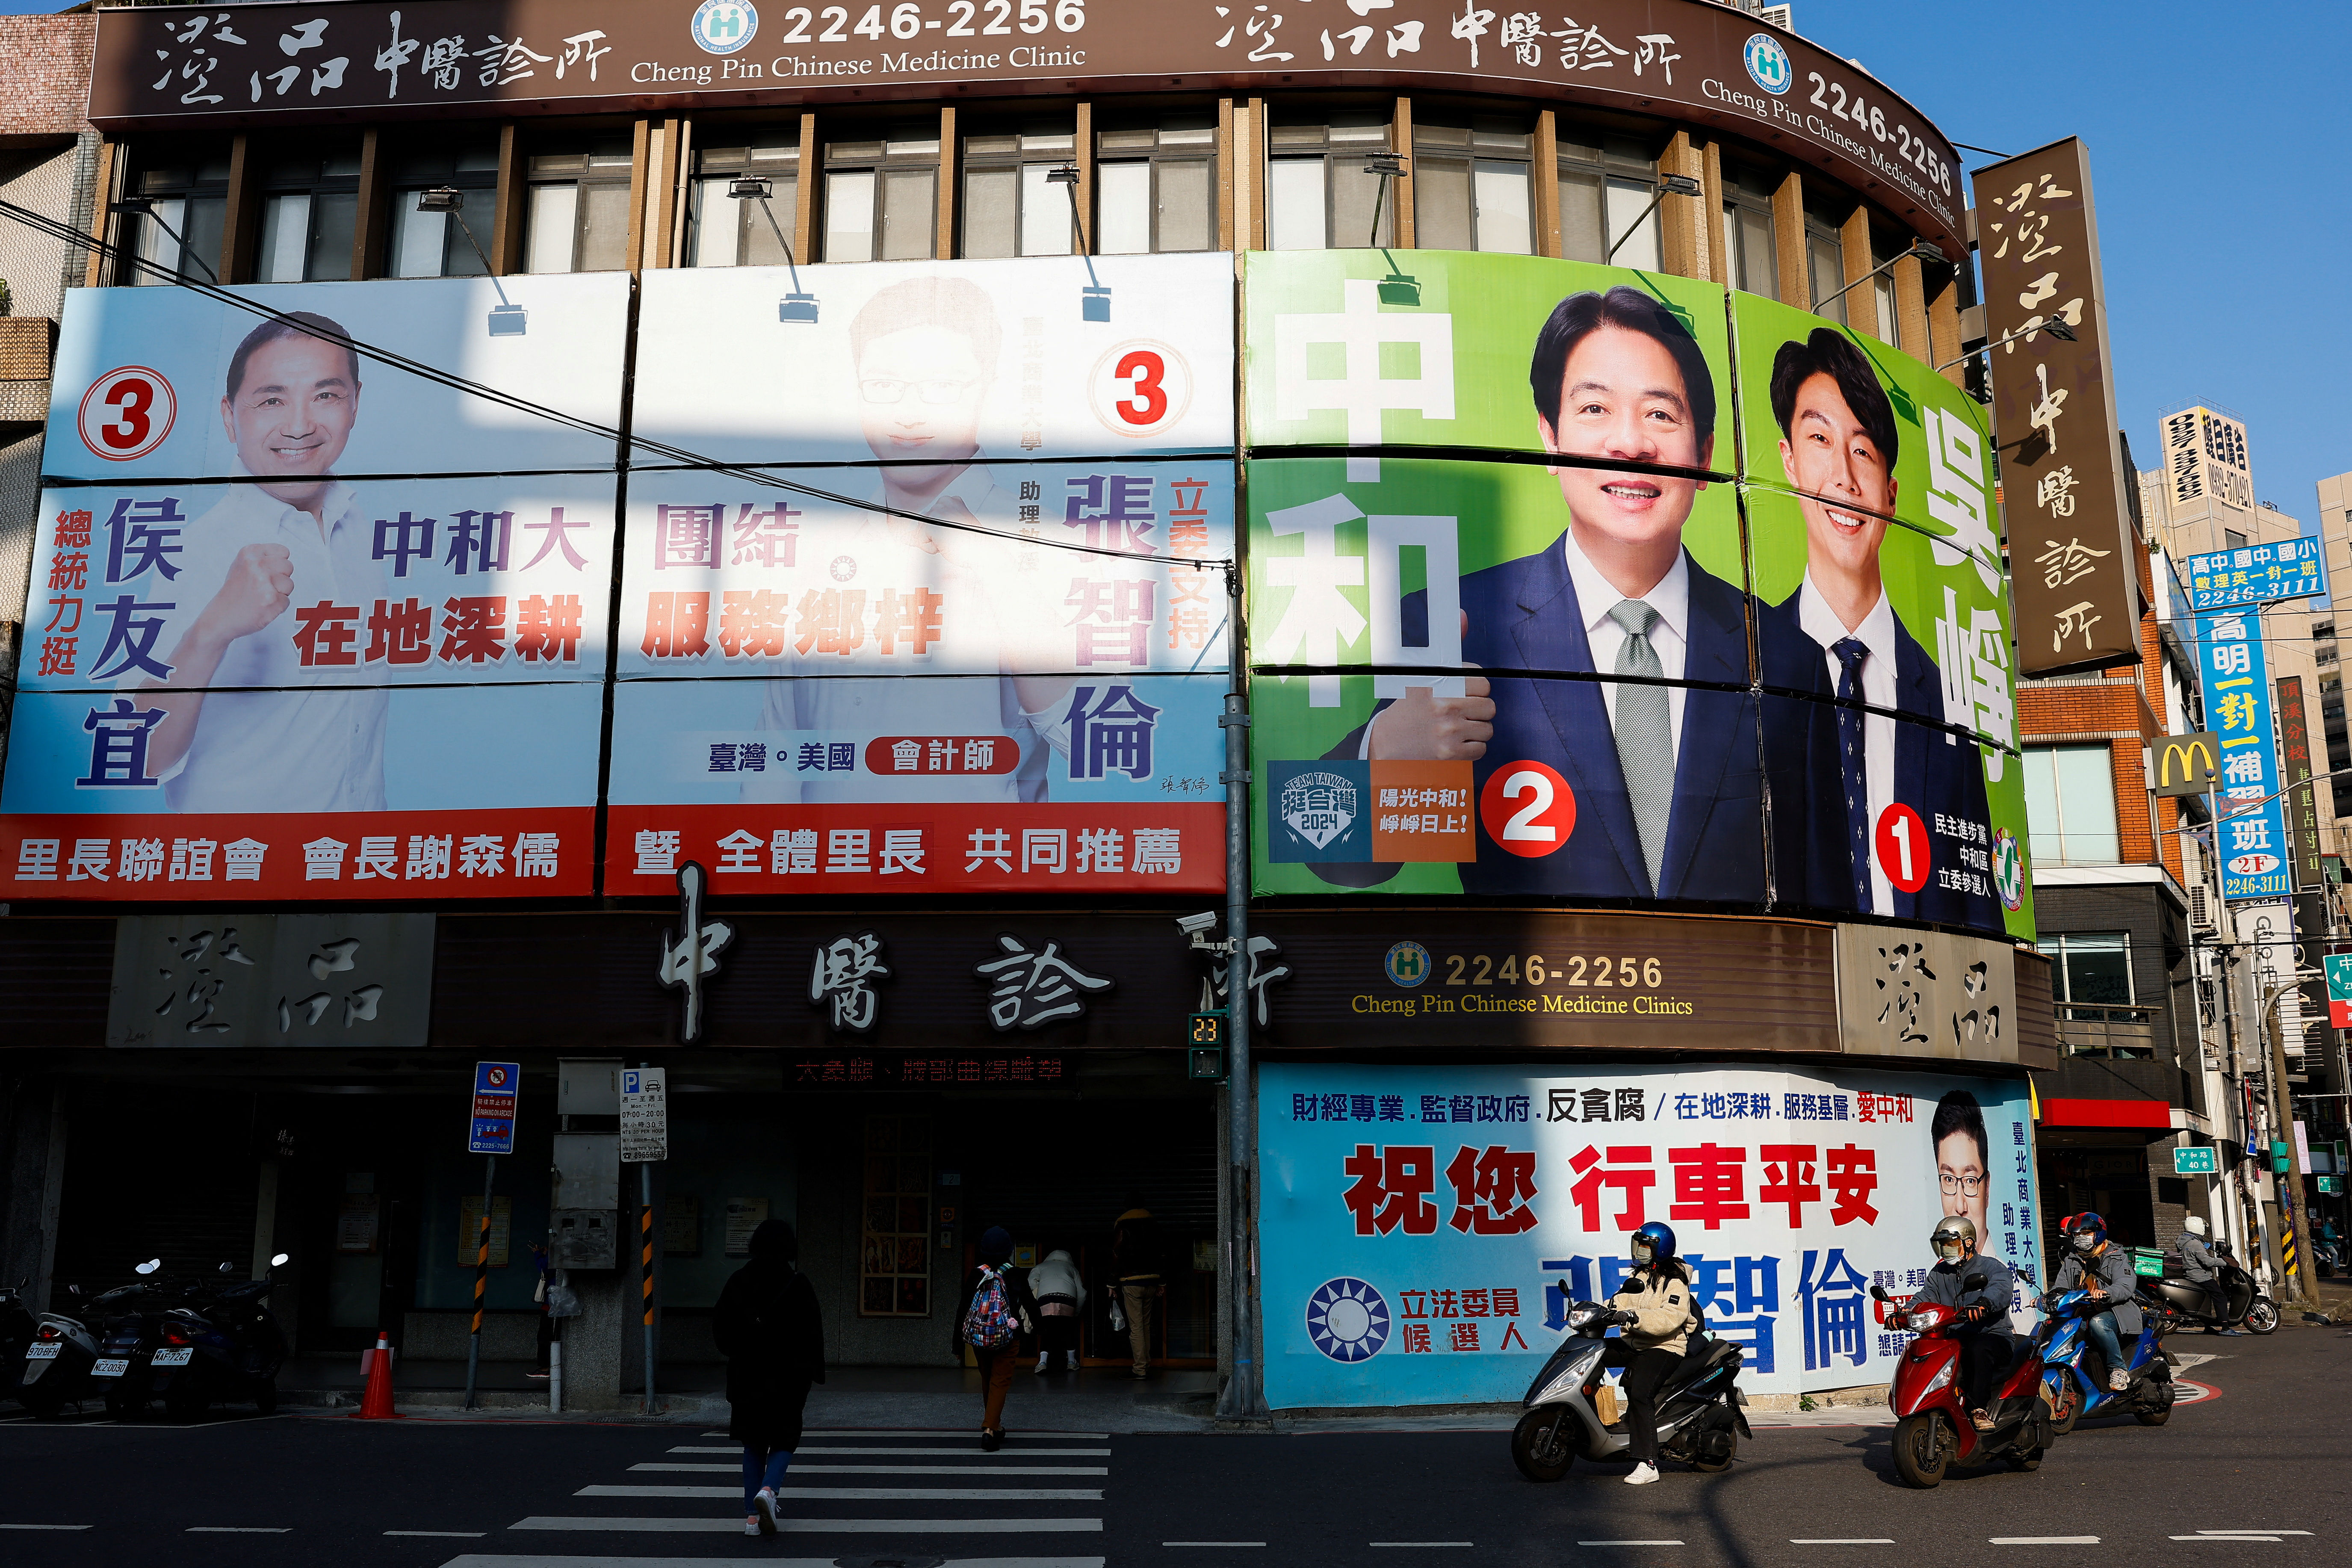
1146	402
1902	852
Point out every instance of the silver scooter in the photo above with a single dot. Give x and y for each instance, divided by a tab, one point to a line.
1698	1403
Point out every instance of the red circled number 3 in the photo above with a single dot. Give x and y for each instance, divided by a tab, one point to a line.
1146	402
130	398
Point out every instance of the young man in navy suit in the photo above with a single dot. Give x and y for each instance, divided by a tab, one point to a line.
1838	444
1665	762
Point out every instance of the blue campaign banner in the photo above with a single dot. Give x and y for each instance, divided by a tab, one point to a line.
2236	678
2255	574
1426	1228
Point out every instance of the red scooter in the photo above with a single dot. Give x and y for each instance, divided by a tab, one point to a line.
1932	1429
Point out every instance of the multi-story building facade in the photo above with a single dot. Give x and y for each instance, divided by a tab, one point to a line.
654	468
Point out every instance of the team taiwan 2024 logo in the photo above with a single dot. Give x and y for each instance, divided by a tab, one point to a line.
1347	1320
1318	805
722	27
1767	63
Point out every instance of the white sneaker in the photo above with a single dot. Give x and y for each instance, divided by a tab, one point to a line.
1642	1475
1072	1357
766	1503
2118	1381
750	1524
1045	1363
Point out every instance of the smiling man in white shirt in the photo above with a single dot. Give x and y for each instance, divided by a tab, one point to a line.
1838	445
247	726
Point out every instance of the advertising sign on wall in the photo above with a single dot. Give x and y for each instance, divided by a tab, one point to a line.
2254	573
2252	826
250	676
979	649
1542	647
1428	1228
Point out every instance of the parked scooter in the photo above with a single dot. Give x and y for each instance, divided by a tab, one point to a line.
223	1347
130	1328
2183	1304
60	1362
1932	1428
1699	1418
2074	1369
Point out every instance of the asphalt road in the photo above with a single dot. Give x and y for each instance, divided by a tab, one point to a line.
2269	1450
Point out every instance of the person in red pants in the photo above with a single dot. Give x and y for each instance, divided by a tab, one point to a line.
995	1313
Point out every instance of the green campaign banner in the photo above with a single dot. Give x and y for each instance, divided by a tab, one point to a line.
1625	640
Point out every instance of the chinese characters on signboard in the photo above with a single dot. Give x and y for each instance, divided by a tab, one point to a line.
2300	803
2053	407
2248	816
2254	573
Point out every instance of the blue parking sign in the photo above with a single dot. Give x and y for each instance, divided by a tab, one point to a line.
497	1086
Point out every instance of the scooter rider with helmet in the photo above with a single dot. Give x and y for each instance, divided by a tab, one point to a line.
1987	1348
2202	1268
1658	1311
2093	1265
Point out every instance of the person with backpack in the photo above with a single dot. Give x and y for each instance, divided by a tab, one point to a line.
996	1314
1659	1314
768	1326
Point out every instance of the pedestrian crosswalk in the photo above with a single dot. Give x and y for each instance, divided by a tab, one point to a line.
927	1487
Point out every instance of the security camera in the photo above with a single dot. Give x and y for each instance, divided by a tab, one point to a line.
1197	925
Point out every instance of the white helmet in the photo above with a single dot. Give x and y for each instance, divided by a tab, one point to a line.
2194	1226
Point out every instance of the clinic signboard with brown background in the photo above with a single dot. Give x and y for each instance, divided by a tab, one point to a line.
2054	413
1705	63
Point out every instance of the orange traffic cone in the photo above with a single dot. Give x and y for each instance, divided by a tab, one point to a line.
376	1405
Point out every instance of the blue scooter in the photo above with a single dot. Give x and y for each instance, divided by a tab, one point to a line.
2074	1369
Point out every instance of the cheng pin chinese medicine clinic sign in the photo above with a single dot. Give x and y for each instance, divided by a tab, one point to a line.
2053	408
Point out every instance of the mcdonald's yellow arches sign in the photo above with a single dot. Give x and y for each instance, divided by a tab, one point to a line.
2187	765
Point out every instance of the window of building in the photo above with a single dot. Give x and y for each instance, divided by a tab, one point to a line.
1882	290
1471	186
894	1264
189	188
2070	805
310	211
882	196
1010	206
1607	185
1748	239
1156	187
2091	968
578	217
432	245
1317	197
2232	539
729	231
1825	262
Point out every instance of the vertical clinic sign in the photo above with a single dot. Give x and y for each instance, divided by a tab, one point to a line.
2300	805
1441	1221
2053	405
2251	823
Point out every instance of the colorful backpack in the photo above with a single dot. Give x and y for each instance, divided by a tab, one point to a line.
987	1324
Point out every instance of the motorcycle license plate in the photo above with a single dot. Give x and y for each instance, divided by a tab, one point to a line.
43	1352
110	1366
171	1358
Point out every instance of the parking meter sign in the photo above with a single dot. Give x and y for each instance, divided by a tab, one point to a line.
497	1085
644	1114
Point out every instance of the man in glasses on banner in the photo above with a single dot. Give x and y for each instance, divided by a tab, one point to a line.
1838	445
925	355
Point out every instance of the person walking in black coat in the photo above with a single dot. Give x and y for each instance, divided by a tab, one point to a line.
994	1313
768	1327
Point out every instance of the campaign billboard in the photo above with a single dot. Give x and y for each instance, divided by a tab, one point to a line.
2251	820
965	628
1427	1228
256	667
1613	672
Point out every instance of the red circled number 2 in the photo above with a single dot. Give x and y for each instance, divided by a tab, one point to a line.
1528	810
1146	402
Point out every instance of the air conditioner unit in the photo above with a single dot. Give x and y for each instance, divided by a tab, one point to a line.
2200	910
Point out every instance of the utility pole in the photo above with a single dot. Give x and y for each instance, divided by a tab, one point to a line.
2294	1250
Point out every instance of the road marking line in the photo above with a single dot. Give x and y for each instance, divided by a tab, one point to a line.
2233	1535
816	1526
2044	1541
889	1470
976	1451
2225	1534
463	1535
1212	1543
1416	1543
44	1527
540	1559
240	1530
1628	1544
867	1494
1842	1541
925	1432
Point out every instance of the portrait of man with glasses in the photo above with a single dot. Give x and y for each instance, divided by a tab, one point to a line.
1963	1161
924	354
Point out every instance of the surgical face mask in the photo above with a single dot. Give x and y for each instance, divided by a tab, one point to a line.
1642	1251
1950	1250
2086	1241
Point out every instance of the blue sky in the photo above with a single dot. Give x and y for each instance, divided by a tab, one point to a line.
2215	134
2223	234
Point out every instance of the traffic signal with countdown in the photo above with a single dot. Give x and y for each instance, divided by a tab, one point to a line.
1204	1044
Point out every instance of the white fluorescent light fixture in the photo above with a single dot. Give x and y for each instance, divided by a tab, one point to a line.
799	307
507	319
